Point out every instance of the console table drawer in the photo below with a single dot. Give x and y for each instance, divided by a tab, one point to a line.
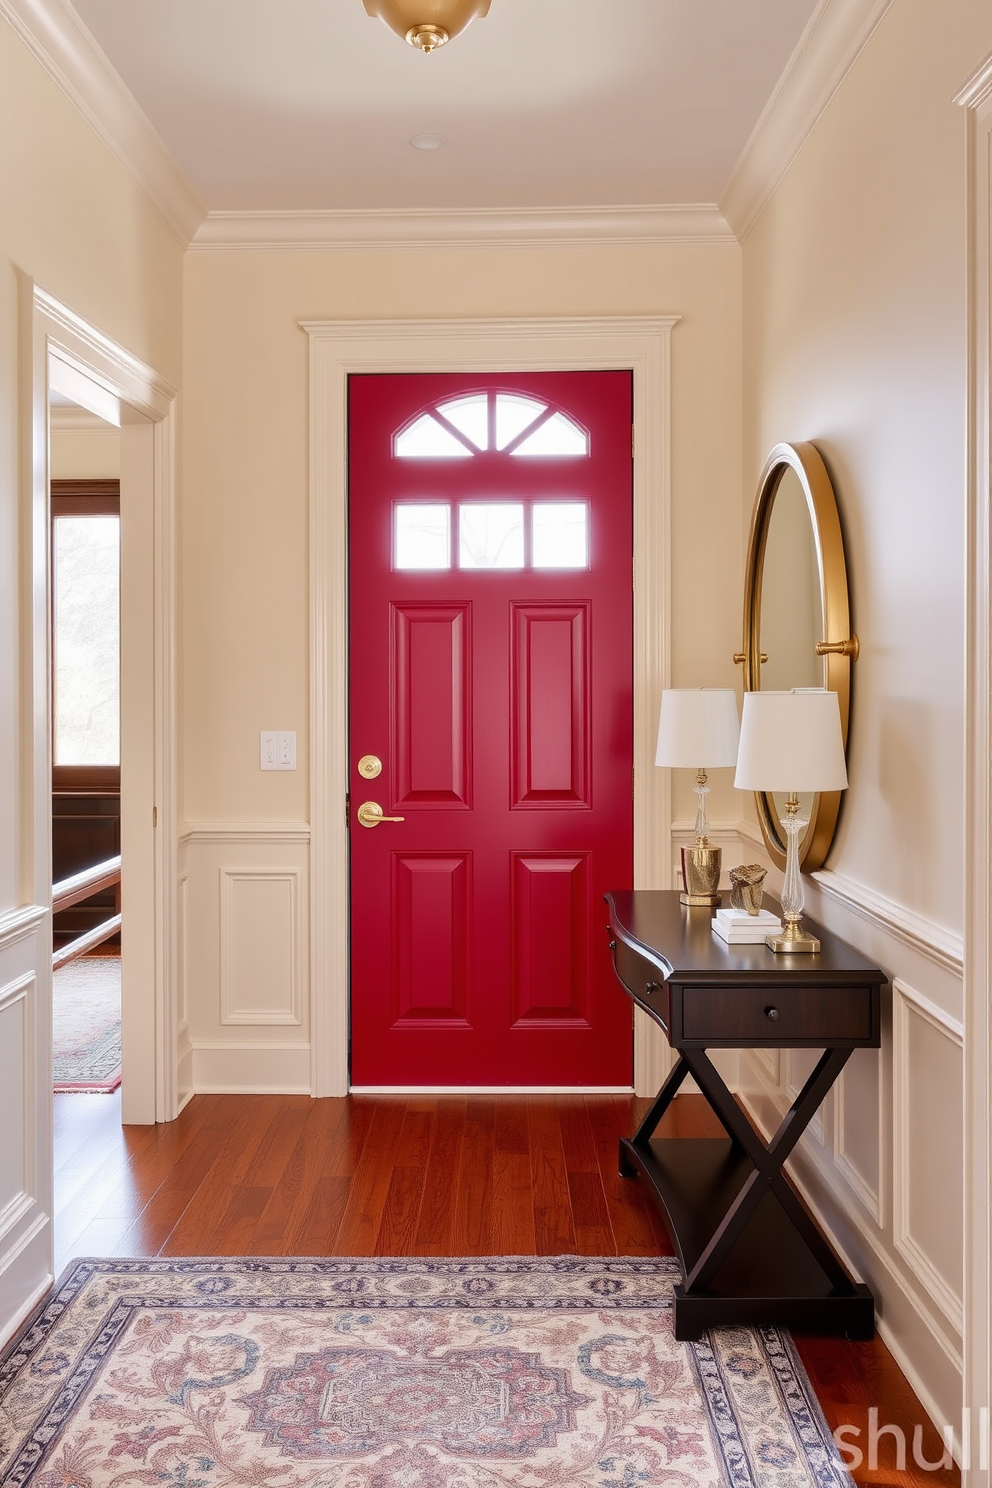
735	1015
642	979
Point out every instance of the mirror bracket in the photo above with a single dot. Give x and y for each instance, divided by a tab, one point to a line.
851	647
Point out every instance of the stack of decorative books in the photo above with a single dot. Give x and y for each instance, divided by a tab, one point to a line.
737	927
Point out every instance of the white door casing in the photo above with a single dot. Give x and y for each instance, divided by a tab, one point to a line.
340	348
976	98
146	404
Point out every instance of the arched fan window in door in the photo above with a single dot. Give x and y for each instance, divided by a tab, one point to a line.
491	534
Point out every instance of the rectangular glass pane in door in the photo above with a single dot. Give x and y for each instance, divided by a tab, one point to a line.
86	643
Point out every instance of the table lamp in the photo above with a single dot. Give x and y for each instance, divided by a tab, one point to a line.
791	742
698	730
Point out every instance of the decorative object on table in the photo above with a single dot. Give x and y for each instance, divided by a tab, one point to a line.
428	1373
698	730
740	927
746	884
427	24
791	742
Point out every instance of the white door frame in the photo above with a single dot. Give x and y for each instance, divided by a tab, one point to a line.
145	403
340	348
976	98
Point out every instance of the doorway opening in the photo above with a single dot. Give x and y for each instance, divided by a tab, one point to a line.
86	839
75	366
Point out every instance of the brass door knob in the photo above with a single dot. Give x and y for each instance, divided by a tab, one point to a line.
370	814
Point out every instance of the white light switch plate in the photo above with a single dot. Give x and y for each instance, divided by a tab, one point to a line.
277	749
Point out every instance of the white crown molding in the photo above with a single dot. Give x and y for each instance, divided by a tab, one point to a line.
835	36
501	227
57	38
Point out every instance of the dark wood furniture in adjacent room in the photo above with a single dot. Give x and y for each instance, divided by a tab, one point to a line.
750	1252
86	799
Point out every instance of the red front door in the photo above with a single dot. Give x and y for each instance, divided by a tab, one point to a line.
490	531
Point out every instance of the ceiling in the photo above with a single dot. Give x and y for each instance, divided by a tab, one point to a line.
309	105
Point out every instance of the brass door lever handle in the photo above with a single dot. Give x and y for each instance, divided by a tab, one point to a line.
370	814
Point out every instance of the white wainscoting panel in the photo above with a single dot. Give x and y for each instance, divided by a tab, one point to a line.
859	1127
246	958
928	1145
261	950
799	1065
25	1112
18	1099
886	1182
769	1061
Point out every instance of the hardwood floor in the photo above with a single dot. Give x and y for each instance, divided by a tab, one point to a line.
417	1175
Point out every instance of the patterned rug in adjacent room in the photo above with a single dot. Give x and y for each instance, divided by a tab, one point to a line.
86	1024
489	1373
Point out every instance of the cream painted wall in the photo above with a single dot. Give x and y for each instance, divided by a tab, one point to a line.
855	304
84	454
855	337
72	221
246	476
75	223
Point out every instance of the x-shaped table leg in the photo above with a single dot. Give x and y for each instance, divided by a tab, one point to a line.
768	1161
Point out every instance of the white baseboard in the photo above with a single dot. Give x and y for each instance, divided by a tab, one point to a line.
246	1067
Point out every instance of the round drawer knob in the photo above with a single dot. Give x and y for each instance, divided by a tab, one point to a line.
773	1013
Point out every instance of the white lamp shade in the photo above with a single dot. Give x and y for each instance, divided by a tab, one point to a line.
791	741
698	728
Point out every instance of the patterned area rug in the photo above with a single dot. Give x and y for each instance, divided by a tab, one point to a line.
86	1024
497	1373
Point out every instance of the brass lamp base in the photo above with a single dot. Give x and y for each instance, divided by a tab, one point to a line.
793	938
701	875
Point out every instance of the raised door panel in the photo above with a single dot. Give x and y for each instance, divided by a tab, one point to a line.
431	933
550	706
431	704
551	919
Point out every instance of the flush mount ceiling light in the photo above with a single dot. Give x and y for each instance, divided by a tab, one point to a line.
427	23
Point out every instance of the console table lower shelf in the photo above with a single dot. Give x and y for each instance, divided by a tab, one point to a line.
769	1270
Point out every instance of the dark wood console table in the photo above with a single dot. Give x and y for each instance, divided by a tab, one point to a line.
750	1252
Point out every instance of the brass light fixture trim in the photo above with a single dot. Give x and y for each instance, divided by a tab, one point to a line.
427	24
839	647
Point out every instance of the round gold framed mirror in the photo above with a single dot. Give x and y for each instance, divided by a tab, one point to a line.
797	622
